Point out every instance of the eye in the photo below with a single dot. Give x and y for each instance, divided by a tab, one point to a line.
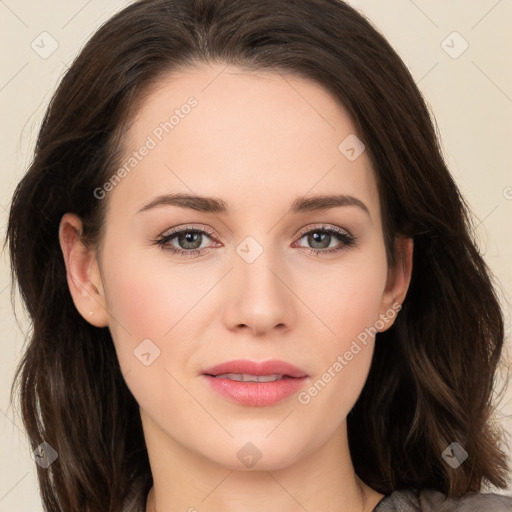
190	240
322	236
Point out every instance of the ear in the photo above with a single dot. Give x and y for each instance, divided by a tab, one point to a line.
82	269
397	284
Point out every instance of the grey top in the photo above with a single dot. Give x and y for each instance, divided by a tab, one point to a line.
430	500
404	500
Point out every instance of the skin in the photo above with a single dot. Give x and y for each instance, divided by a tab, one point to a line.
257	142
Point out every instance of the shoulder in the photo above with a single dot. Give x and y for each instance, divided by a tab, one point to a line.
431	500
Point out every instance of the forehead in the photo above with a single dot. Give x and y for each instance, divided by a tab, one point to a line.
226	132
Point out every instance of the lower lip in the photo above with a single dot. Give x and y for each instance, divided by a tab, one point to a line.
256	394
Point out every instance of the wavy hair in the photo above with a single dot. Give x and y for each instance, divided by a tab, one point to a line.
432	374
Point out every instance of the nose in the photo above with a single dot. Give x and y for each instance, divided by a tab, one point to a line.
259	295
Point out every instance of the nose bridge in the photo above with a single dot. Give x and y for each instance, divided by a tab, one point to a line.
257	265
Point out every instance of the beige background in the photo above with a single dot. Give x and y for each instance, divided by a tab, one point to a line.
470	95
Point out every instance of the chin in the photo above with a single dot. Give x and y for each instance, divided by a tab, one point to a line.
260	454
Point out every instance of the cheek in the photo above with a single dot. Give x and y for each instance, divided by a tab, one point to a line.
147	298
148	307
349	306
350	299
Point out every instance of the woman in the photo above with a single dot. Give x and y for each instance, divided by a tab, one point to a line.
250	274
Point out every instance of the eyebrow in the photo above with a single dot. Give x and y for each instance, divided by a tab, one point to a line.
301	204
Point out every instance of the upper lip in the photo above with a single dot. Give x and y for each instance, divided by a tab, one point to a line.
244	366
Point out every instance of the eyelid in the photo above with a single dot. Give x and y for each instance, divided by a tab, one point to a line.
323	227
187	227
300	234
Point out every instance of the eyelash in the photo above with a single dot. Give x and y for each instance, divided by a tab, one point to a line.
341	235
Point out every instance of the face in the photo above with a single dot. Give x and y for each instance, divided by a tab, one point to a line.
187	288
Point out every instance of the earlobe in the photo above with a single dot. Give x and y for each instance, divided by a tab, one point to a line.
399	278
82	270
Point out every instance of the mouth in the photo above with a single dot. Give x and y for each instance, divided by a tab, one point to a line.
245	377
255	384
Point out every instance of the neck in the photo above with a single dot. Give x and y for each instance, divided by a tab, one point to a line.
323	480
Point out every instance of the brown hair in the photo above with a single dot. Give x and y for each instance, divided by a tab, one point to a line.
431	378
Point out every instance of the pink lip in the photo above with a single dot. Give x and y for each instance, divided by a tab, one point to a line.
253	368
256	393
